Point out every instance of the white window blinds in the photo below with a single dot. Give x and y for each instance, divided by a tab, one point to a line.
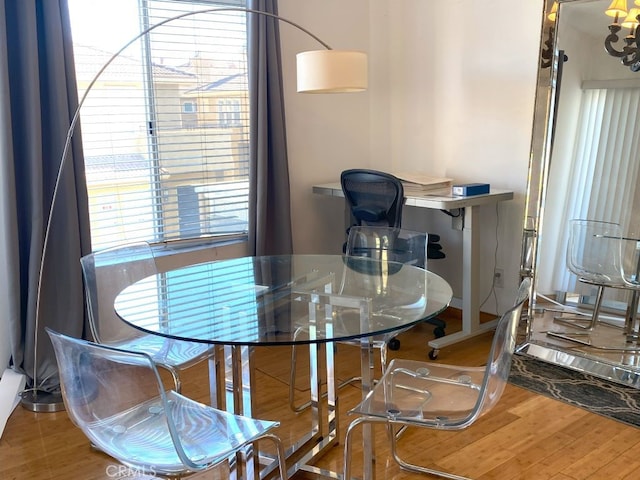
165	128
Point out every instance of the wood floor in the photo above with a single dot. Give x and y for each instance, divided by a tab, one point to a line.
526	436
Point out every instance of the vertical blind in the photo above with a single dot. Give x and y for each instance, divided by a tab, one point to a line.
165	127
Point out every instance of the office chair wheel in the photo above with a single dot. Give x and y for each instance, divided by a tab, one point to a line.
393	344
439	332
433	354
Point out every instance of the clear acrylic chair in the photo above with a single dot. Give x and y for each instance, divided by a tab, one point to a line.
106	273
384	244
594	256
116	397
439	396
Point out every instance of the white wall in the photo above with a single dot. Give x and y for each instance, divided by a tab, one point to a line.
452	87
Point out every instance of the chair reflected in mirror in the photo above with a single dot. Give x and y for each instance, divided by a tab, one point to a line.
438	396
600	256
593	255
117	398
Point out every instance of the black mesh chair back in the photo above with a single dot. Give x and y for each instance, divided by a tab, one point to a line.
374	198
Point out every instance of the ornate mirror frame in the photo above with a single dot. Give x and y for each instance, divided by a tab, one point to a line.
620	365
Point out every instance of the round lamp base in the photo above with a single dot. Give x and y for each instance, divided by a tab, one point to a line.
40	401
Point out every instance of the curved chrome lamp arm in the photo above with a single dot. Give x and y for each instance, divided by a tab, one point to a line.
33	398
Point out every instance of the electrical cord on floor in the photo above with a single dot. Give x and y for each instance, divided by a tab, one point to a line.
495	266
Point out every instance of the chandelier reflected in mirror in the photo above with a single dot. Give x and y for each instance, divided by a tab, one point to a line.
626	49
624	18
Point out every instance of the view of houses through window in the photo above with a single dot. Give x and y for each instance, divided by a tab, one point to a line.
165	127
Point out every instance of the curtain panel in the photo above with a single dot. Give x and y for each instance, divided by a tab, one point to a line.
38	101
269	198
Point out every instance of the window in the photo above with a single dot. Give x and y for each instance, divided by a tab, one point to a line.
189	107
229	113
159	167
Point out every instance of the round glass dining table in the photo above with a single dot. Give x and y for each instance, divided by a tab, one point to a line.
248	302
264	300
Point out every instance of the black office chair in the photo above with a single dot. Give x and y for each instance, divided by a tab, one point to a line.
376	199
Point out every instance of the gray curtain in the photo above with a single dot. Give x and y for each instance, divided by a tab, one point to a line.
269	204
38	100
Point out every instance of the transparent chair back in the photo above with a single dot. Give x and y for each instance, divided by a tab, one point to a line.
630	258
388	244
116	398
594	251
106	274
393	249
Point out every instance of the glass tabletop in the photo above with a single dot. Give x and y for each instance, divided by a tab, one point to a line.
270	300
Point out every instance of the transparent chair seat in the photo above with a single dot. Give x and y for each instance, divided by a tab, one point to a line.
167	351
139	437
442	396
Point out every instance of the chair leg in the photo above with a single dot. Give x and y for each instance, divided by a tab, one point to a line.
630	318
292	379
346	469
392	441
292	384
583	323
383	357
282	466
175	375
417	468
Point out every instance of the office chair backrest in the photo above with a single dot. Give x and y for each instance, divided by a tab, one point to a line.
374	198
388	243
594	250
106	273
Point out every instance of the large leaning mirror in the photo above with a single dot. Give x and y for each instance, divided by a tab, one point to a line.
585	164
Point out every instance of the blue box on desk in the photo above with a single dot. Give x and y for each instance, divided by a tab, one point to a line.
469	189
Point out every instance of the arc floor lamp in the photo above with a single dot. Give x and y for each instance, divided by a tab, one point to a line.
318	71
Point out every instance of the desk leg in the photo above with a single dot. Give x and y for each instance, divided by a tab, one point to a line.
471	326
471	271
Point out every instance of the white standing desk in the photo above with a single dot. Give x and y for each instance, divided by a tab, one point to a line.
443	200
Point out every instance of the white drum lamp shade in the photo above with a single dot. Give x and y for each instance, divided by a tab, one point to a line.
331	71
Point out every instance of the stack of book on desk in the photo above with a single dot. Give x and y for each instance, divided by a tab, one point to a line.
416	183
